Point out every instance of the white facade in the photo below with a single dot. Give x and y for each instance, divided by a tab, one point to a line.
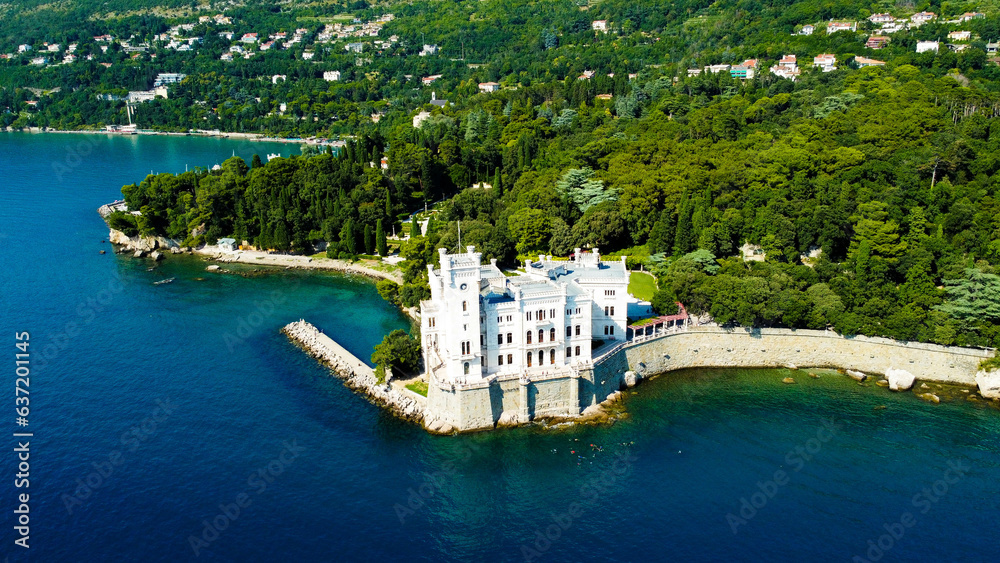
331	75
925	46
479	323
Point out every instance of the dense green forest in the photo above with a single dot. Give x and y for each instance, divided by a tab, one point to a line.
872	192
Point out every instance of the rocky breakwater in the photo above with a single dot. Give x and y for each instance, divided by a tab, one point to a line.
354	372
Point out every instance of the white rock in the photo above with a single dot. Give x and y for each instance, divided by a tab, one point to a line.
899	379
989	384
631	378
857	375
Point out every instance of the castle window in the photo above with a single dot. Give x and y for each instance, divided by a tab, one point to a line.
528	315
465	305
569	331
510	338
577	310
578	330
612	310
605	330
529	359
499	339
552	334
552	356
528	338
611	330
569	312
605	311
510	358
508	318
499	320
541	315
430	322
541	357
482	340
466	368
569	352
482	361
541	335
552	313
500	360
576	351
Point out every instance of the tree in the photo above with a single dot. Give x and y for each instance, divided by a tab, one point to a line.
381	243
664	302
369	239
976	297
582	189
397	350
256	163
348	238
530	229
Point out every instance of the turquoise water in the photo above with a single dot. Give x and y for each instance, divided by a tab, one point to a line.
258	441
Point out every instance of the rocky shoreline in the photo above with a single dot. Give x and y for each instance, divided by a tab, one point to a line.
356	375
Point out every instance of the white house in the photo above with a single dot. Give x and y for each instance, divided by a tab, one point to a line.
479	323
807	29
489	86
331	75
600	25
834	27
959	35
420	118
825	62
227	245
925	46
921	18
881	18
428	50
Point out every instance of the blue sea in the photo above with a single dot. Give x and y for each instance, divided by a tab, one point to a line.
174	422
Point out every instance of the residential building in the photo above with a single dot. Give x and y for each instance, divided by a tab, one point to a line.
825	62
881	18
960	35
958	47
479	323
587	75
835	26
249	38
969	16
714	69
308	55
354	47
807	29
600	25
787	67
430	79
604	97
921	18
991	48
165	78
38	61
877	42
862	62
429	50
227	245
24	48
487	87
925	46
266	46
420	118
331	75
744	71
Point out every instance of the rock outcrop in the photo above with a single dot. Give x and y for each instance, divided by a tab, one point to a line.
136	243
899	379
989	383
631	378
356	375
857	375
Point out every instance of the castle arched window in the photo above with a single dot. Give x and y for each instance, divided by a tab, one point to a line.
465	305
529	359
528	340
466	368
552	356
510	338
541	335
541	357
552	334
569	331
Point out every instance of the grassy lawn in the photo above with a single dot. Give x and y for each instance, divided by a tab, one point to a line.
419	387
641	285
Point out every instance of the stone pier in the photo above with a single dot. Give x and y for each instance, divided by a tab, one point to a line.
356	374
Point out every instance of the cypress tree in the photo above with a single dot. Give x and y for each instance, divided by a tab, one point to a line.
369	240
380	241
256	163
347	237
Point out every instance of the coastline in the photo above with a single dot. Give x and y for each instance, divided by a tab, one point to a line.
251	137
297	261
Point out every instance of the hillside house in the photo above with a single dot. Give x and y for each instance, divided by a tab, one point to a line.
920	18
825	62
881	18
927	46
863	62
877	42
487	87
600	25
835	26
959	35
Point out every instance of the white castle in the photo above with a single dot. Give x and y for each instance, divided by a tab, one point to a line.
479	323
